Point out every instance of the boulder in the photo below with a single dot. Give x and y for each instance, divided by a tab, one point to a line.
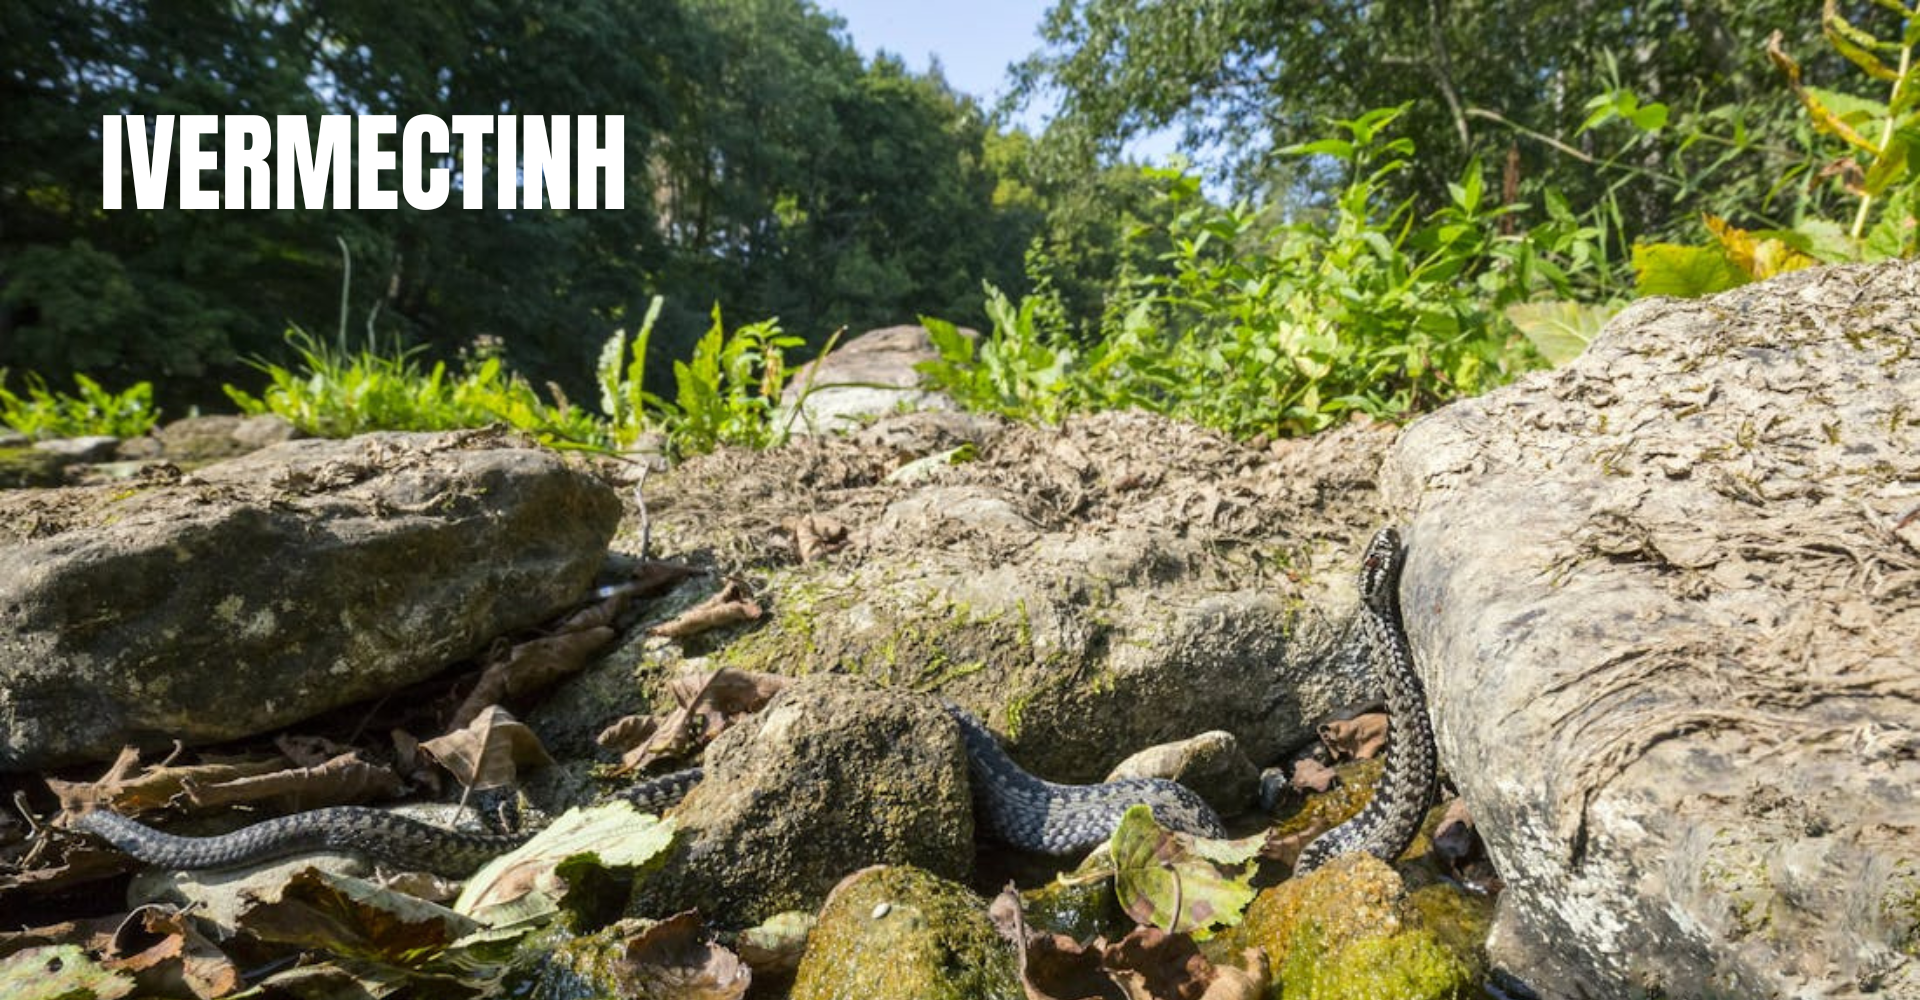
834	774
868	376
266	589
894	933
1211	764
1087	590
91	448
1668	628
199	439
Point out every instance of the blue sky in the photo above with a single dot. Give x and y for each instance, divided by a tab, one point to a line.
975	40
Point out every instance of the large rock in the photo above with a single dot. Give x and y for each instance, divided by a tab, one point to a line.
1668	627
866	377
266	589
899	934
833	775
1087	590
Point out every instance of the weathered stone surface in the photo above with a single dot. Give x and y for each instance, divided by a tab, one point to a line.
1087	590
1668	630
833	775
895	933
868	376
24	467
1211	763
93	448
197	439
268	588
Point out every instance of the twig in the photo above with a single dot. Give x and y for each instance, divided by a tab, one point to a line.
640	499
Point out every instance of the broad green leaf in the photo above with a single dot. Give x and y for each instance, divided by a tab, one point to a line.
1180	883
1559	330
59	972
529	883
1683	271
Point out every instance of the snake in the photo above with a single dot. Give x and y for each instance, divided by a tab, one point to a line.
1019	809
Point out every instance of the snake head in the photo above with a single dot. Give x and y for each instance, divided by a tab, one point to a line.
1380	568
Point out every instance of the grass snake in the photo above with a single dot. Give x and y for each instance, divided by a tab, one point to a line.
1018	808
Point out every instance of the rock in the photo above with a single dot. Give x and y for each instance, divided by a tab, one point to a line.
1668	636
10	438
1086	590
30	468
200	439
832	775
868	376
92	448
1351	929
895	933
1211	763
269	588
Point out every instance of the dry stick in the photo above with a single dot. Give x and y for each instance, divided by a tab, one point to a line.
646	523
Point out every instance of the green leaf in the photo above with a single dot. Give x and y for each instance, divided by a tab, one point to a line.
59	972
1180	883
530	883
1683	271
1559	330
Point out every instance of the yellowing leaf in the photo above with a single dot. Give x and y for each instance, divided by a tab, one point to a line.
1176	882
1559	330
1686	272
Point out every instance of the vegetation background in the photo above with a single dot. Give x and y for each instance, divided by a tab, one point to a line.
1402	202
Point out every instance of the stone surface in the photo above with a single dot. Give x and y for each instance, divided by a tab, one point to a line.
1668	631
198	439
895	933
834	774
1086	590
26	468
93	448
265	589
1211	763
868	376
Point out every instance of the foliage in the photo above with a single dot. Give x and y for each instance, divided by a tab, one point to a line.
334	392
42	413
727	393
1255	327
768	166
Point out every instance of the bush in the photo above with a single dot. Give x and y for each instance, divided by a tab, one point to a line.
42	413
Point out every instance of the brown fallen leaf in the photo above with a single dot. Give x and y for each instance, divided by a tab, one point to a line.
308	751
489	751
353	918
530	666
344	780
94	934
710	701
600	614
1309	775
128	793
1151	964
1051	966
168	956
678	958
816	536
627	732
730	606
1359	738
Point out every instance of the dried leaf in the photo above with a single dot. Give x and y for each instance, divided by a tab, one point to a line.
529	882
1359	738
709	703
61	972
309	751
123	792
489	751
627	732
730	606
1309	775
1151	964
344	780
677	958
530	666
168	956
600	614
729	691
355	918
816	536
777	944
1178	882
1455	838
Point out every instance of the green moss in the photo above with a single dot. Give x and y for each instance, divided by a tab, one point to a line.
1411	965
898	933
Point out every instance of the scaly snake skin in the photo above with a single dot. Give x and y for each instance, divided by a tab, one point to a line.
1399	804
1024	811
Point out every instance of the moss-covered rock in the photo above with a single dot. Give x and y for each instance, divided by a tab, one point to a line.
1351	930
898	933
835	774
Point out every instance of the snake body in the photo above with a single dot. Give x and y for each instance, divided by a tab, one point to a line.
1399	804
1018	808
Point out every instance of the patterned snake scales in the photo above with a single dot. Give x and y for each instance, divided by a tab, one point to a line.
1019	809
